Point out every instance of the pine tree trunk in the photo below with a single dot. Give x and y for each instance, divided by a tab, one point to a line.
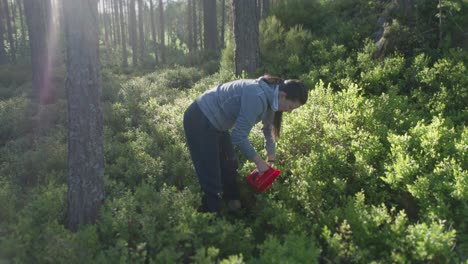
210	25
246	36
141	38
23	27
190	26
153	31
194	23
133	32
85	128
123	35
38	18
104	22
200	26
162	32
223	21
3	54
115	7
11	40
265	8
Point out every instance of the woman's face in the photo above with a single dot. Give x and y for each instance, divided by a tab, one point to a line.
286	105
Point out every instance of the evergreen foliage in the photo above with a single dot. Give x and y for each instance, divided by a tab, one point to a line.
374	166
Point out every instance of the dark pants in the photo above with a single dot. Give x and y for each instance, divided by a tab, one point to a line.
214	159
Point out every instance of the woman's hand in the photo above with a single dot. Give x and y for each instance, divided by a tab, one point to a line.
261	164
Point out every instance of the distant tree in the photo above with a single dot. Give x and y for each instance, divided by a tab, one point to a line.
265	8
132	23
38	18
11	41
194	24
141	37
3	54
85	129
123	35
246	36
153	30
162	32
116	24
210	25
223	21
23	27
190	25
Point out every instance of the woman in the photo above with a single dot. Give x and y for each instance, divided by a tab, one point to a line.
238	105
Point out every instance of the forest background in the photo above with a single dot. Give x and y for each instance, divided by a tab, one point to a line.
374	166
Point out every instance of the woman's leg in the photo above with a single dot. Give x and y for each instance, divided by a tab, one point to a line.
202	141
229	166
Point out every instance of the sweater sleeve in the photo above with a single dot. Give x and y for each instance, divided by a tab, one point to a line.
251	108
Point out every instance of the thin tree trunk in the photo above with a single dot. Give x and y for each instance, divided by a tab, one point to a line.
200	26
123	35
246	36
115	8
85	128
210	25
23	27
104	22
133	32
194	24
162	33
265	8
38	17
141	38
223	21
153	31
3	54
190	27
11	40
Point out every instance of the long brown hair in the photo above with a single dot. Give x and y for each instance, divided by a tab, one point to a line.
295	90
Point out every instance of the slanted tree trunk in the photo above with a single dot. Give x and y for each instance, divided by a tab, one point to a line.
153	31
11	40
162	32
123	35
85	129
210	25
141	38
246	36
3	54
38	18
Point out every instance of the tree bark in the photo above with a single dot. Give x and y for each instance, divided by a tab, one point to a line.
210	25
23	31
38	18
223	22
265	8
133	32
190	26
123	35
85	129
153	31
162	32
194	24
11	40
141	38
3	54
115	18
246	36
